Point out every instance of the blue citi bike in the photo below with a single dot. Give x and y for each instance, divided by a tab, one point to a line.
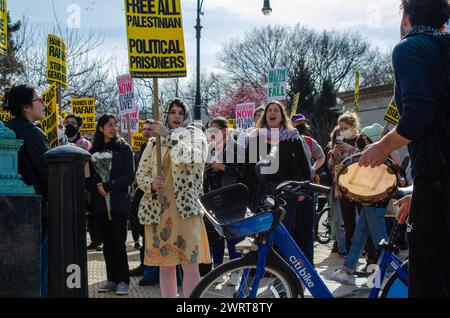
275	267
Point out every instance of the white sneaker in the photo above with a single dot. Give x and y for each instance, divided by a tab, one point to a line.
342	277
235	279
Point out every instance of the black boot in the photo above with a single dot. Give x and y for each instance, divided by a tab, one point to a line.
138	271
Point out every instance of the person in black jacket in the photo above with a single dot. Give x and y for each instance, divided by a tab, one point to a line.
222	169
420	65
27	106
281	137
112	224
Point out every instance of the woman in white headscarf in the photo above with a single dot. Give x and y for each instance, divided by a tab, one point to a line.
174	228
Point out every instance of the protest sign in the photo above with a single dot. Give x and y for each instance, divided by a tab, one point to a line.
295	104
134	121
244	115
3	28
137	140
4	115
232	123
56	60
141	125
392	116
155	38
126	94
50	123
85	107
277	84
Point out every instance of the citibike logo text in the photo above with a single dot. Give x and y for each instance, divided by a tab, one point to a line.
299	267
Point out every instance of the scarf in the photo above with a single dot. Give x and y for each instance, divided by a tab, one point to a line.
422	29
283	133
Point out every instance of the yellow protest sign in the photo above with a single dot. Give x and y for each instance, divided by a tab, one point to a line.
56	60
392	116
85	107
137	140
295	104
155	38
4	115
50	123
232	123
141	125
356	90
64	114
3	28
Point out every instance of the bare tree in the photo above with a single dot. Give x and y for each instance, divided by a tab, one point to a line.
89	73
330	56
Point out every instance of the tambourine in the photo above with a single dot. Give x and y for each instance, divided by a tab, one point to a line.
367	185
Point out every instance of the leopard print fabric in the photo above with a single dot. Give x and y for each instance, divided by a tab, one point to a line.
188	152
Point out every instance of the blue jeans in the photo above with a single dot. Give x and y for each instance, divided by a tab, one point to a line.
218	250
338	225
371	220
44	264
151	274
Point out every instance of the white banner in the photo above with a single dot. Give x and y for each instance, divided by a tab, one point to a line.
126	94
134	121
244	115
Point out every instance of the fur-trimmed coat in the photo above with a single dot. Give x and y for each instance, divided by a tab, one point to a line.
188	152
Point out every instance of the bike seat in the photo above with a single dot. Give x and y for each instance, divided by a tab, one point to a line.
403	192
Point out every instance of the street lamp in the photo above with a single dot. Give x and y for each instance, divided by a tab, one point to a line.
267	10
198	98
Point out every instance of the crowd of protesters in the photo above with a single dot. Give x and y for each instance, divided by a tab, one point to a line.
162	204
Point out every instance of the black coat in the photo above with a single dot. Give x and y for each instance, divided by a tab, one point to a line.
234	170
293	165
121	177
32	166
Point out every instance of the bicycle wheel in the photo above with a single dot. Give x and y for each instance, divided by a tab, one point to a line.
236	276
323	226
396	287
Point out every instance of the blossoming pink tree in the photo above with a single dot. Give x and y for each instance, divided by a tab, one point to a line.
244	94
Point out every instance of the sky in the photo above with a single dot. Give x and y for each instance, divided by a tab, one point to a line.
222	21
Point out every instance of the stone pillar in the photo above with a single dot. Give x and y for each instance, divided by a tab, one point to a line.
20	225
67	222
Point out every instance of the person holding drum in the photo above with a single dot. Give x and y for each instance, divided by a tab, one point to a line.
421	69
371	218
344	148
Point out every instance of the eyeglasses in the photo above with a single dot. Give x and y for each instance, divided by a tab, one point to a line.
112	125
40	99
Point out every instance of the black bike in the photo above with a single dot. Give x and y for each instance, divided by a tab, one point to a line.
322	225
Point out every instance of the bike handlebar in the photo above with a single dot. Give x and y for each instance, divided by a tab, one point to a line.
318	188
295	188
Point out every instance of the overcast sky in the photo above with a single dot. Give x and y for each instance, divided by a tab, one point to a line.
378	20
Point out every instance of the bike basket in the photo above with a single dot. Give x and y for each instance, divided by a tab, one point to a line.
226	209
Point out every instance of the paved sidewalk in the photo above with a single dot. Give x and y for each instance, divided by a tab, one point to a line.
326	263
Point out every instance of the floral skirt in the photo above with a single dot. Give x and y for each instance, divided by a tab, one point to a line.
175	241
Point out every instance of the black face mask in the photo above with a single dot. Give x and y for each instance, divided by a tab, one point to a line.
71	131
301	129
